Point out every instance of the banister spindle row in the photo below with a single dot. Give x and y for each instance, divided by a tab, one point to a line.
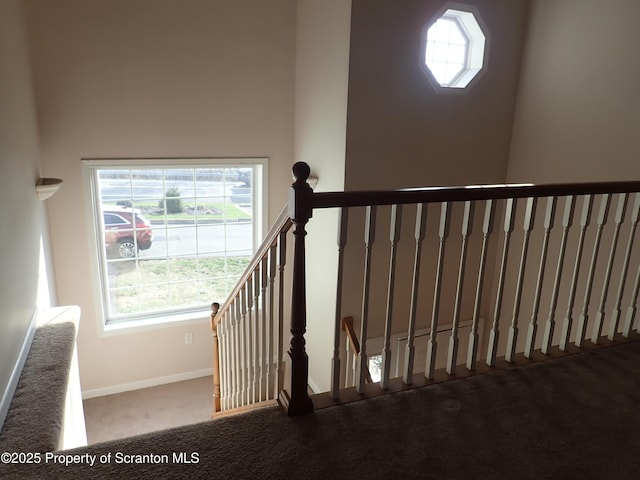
619	217
585	218
567	220
584	315
249	363
534	286
249	329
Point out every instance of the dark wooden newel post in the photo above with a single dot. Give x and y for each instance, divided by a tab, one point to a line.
294	398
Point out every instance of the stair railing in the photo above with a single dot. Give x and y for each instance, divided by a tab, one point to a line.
496	200
236	319
248	358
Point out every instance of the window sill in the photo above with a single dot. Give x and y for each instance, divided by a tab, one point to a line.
124	327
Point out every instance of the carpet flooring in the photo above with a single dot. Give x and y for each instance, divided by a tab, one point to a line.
147	410
573	418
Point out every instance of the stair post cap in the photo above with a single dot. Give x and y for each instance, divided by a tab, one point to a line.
301	171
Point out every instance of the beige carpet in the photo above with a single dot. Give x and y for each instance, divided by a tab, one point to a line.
148	410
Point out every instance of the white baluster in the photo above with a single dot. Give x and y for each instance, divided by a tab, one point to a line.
282	260
487	227
615	315
494	334
529	217
343	223
467	222
568	319
631	311
394	237
237	358
255	346
584	316
219	337
567	220
421	224
369	238
244	354
533	325
432	345
599	322
250	342
271	365
264	359
226	361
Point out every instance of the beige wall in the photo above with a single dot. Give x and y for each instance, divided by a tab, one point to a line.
578	110
400	132
322	66
154	78
23	234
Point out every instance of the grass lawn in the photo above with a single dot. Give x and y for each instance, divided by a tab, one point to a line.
139	286
206	211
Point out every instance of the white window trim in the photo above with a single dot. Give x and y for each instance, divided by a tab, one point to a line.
478	54
199	316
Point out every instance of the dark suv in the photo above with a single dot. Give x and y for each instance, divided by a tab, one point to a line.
120	237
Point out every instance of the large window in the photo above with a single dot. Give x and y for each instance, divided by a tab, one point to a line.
454	48
171	238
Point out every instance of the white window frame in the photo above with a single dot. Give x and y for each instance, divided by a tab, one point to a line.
473	28
90	167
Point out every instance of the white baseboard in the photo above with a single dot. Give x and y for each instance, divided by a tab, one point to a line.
149	382
313	386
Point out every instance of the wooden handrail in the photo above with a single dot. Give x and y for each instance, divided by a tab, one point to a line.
473	192
282	224
352	337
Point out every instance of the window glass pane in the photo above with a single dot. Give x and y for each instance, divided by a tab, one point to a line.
172	238
454	44
457	55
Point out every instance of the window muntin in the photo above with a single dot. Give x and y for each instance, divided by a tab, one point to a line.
454	48
447	50
187	235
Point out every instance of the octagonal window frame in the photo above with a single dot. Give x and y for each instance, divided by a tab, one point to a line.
468	20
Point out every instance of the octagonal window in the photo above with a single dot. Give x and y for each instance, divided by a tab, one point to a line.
454	48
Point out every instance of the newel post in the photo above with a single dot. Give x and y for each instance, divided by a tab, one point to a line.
294	397
216	358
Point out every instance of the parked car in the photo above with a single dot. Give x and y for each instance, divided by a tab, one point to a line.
121	239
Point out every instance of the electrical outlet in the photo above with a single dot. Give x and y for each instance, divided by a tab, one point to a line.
188	338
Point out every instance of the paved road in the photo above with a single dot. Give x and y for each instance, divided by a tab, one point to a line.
117	189
235	239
